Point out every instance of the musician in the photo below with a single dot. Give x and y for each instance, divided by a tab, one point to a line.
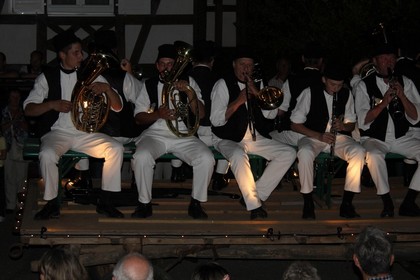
158	139
50	98
313	131
313	60
120	125
233	137
383	131
202	72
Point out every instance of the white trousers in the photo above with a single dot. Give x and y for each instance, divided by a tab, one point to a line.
205	135
346	148
154	143
407	146
279	156
57	142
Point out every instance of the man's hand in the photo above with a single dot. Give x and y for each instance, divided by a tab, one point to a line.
166	113
62	106
327	137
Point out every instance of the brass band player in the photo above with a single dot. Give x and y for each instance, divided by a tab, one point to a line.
233	137
50	98
311	121
382	131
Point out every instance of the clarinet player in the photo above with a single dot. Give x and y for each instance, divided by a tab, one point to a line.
315	133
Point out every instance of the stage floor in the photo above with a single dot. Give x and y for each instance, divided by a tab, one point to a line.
228	233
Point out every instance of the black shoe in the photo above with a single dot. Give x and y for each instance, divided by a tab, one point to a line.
219	182
177	174
51	210
258	213
387	213
196	211
409	209
308	207
348	211
143	210
109	211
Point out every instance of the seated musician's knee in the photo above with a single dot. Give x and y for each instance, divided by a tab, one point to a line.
48	155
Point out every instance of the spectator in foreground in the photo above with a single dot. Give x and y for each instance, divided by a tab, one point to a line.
210	271
133	266
300	270
373	254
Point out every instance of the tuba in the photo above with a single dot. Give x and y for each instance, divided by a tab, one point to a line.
169	94
90	111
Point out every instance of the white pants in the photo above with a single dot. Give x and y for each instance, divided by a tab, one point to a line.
407	146
346	148
57	142
154	143
205	135
279	156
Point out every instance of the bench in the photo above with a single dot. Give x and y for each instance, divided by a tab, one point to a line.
70	158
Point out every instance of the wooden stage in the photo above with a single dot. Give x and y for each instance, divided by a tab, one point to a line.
228	233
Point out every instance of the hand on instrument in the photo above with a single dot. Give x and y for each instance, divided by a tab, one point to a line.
327	137
166	113
63	106
98	88
126	65
181	85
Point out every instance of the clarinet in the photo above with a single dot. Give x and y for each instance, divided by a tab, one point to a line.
332	130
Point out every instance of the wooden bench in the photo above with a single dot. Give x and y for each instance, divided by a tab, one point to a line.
70	158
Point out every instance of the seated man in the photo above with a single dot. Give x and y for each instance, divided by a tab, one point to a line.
234	138
158	138
316	127
50	98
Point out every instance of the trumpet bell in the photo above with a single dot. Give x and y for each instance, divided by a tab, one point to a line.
270	98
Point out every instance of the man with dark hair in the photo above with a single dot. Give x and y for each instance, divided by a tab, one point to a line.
322	121
158	139
233	98
51	98
373	254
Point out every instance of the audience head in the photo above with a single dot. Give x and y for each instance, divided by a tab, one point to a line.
210	271
301	270
61	264
133	266
373	253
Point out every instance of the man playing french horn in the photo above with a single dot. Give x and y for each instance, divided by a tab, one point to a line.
155	110
50	99
384	129
239	127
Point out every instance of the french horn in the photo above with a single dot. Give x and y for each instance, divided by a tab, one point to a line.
90	111
170	94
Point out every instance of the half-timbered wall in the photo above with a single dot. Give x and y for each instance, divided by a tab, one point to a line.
141	25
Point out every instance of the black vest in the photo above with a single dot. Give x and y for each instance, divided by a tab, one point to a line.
378	126
120	123
318	117
205	79
297	83
235	128
46	120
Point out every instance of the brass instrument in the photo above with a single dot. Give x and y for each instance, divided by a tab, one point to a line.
268	98
367	70
397	110
90	111
182	111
